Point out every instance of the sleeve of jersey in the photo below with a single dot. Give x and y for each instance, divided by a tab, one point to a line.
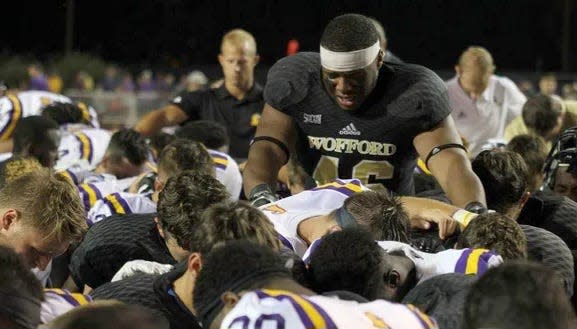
434	104
190	103
10	113
58	301
477	261
287	83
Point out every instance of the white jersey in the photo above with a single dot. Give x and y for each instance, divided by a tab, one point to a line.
227	172
465	261
90	193
273	309
121	203
14	107
59	301
286	214
88	144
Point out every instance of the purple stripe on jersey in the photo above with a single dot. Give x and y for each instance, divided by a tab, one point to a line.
90	148
219	166
110	206
73	176
85	199
328	321
123	203
218	155
280	323
11	113
483	265
285	242
71	300
461	265
344	190
96	191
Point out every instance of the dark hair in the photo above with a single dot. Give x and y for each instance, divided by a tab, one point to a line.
234	266
18	284
182	155
210	133
63	113
32	130
540	113
533	151
182	201
518	295
232	221
110	315
382	213
348	260
504	178
159	141
349	32
129	144
496	232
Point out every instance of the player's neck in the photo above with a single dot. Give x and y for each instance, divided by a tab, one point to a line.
184	287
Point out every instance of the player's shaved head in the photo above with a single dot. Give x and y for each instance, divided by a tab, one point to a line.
349	32
478	58
241	39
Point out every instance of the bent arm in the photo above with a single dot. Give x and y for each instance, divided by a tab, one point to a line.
265	158
152	122
451	167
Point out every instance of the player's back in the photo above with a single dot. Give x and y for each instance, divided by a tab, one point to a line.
14	107
87	144
283	309
227	172
120	203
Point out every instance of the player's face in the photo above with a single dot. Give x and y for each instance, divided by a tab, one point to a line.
238	62
350	89
35	250
473	80
565	184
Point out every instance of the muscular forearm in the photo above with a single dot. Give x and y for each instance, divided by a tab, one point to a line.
461	184
415	206
263	164
151	123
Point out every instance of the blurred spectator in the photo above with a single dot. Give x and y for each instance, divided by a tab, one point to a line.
111	80
83	81
127	83
292	47
195	80
55	83
477	96
38	80
527	88
165	83
548	84
569	92
146	82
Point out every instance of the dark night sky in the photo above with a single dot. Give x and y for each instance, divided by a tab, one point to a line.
523	35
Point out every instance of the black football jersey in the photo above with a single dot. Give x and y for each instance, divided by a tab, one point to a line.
373	143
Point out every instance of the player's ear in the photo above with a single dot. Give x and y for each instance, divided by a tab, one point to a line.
194	263
380	59
393	279
229	299
159	227
9	217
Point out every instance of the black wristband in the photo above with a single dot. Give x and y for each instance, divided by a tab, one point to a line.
437	149
476	207
275	141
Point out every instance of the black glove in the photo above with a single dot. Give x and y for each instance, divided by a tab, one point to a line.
261	195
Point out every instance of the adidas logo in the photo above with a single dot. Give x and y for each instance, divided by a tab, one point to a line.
350	129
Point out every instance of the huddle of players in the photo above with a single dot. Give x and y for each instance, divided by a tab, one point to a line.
165	234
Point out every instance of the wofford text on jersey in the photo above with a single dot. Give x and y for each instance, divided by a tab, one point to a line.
348	145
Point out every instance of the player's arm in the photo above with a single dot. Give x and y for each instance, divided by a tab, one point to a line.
269	151
6	146
152	122
450	164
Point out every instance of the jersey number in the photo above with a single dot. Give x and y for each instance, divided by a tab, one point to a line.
371	173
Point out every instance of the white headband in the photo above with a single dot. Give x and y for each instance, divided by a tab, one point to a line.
349	60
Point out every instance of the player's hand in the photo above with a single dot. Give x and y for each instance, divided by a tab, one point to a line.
447	225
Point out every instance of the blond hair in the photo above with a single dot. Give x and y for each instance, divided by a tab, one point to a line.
478	57
239	37
47	202
16	167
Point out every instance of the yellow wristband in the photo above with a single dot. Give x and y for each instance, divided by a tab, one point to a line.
463	217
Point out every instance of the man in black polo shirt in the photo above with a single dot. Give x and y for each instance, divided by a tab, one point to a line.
237	104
